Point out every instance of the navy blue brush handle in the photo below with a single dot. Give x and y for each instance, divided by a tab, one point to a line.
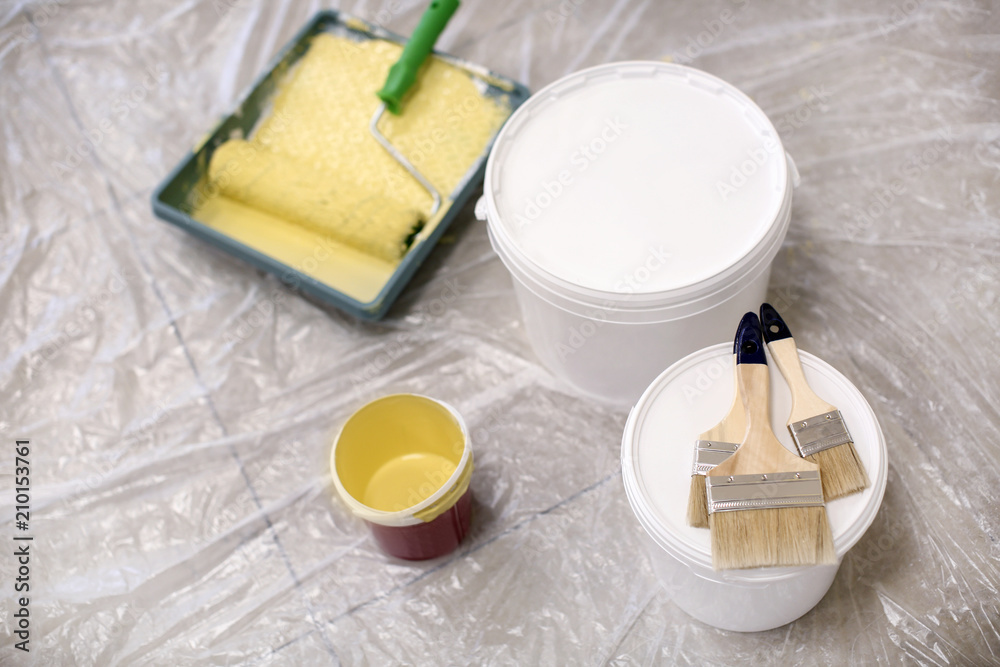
749	341
775	328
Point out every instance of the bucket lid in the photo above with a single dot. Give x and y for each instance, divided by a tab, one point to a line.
691	397
636	178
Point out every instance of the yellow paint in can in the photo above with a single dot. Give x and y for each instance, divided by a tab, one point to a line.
399	451
407	480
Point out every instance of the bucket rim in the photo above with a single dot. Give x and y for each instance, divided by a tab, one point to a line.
429	508
674	306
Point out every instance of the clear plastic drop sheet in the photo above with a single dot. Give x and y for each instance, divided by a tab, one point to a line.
180	404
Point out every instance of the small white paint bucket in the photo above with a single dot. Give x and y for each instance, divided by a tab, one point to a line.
638	207
689	398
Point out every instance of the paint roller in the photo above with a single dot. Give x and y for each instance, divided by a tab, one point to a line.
371	222
374	223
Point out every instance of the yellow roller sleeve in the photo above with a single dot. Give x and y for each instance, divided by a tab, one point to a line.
369	221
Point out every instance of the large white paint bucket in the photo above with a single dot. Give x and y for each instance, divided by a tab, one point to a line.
657	448
638	207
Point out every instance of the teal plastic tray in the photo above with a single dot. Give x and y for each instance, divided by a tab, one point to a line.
172	198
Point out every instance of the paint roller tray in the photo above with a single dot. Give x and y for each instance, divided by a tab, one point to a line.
302	258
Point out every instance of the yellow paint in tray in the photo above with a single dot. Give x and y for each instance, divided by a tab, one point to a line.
313	189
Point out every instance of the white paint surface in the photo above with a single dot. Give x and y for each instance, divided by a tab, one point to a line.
637	177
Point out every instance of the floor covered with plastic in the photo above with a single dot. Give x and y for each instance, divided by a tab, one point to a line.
180	404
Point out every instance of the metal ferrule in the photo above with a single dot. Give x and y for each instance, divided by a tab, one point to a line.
820	432
760	492
710	453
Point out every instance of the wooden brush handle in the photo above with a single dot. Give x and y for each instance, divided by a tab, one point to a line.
736	418
760	452
805	402
735	422
755	389
733	426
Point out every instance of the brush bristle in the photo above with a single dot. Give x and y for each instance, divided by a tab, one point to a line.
783	537
698	502
841	471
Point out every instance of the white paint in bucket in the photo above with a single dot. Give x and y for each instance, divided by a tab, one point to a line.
638	207
657	447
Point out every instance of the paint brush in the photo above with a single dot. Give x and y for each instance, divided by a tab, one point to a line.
712	448
817	427
765	503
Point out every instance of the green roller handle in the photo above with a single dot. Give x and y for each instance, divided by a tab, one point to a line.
403	74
